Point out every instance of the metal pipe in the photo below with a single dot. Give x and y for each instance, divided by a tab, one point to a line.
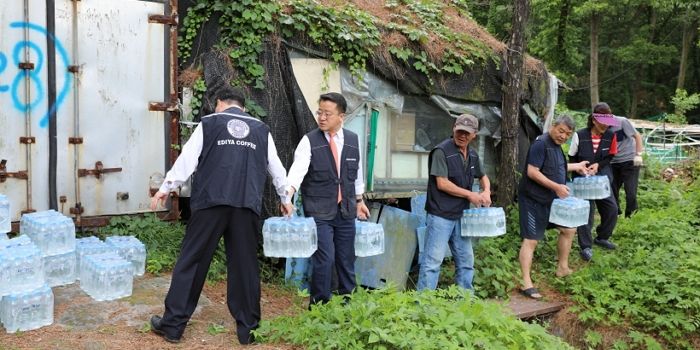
51	95
27	108
171	89
76	112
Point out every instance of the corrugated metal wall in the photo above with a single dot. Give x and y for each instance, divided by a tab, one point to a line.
110	63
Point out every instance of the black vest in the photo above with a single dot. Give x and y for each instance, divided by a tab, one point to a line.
319	190
233	162
440	203
554	168
602	155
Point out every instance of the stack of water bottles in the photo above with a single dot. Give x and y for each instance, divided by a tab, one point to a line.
106	276
27	301
569	212
483	222
88	246
369	238
591	187
293	237
131	249
54	234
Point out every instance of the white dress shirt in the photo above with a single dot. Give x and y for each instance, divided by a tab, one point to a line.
302	159
187	162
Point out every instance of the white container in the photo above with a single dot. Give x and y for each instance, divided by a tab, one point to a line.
483	222
569	212
289	237
369	238
24	311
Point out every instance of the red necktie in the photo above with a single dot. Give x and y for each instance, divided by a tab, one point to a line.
334	150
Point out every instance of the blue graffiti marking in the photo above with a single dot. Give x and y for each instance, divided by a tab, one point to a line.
34	75
3	64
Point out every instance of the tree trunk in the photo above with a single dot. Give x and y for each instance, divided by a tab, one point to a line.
689	29
510	125
560	48
595	93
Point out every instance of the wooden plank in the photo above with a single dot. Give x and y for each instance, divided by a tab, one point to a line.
524	307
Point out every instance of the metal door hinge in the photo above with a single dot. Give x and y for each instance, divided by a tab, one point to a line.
4	174
98	170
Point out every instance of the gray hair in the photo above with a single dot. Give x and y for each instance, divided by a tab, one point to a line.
566	120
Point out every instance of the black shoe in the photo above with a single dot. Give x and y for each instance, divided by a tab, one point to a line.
587	254
605	244
155	327
245	336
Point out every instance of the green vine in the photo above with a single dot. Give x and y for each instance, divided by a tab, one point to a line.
196	16
350	34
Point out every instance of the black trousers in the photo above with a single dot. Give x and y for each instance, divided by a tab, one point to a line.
336	245
240	227
607	208
627	175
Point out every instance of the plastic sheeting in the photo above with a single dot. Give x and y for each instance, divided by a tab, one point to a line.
370	89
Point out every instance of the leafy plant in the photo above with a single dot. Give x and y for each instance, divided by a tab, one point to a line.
387	319
215	328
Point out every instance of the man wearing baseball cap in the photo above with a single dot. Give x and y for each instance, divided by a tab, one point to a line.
452	167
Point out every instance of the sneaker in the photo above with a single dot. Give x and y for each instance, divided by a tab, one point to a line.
156	328
605	244
587	254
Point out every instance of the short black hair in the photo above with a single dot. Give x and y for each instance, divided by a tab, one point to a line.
336	98
231	94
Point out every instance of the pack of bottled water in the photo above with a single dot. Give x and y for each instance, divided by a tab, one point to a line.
131	249
106	276
60	269
15	242
293	237
21	268
51	231
369	238
418	207
483	222
569	212
27	310
591	187
5	216
89	246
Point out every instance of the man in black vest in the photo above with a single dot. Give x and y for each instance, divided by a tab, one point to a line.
544	179
453	167
597	144
231	152
327	168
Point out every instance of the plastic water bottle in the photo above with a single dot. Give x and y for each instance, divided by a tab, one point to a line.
60	269
131	249
106	276
592	187
569	212
89	246
293	237
21	269
369	239
28	310
5	216
483	222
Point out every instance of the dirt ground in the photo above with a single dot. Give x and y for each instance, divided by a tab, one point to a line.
82	323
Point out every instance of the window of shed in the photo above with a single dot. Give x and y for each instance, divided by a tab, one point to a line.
420	127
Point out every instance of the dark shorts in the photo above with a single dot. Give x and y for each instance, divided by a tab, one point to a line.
534	218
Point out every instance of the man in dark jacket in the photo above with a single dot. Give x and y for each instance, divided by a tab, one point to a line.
328	169
544	179
231	152
453	166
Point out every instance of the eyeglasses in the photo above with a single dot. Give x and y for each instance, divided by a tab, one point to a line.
324	114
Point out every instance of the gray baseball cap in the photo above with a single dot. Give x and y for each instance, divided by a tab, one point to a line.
468	123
